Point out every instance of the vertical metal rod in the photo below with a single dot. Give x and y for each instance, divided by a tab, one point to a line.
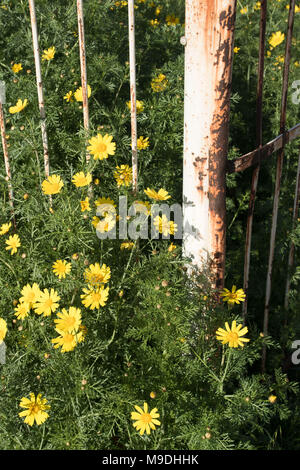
131	30
292	246
82	53
39	83
209	33
6	160
255	175
278	172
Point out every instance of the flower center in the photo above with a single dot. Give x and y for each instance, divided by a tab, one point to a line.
96	296
31	297
233	336
35	409
49	303
70	321
101	147
55	186
146	418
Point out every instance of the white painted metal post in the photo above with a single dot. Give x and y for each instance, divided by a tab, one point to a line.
131	30
39	83
208	69
82	53
6	157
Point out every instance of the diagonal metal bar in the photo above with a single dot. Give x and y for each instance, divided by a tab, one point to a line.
83	69
292	246
278	172
255	175
131	31
258	155
39	83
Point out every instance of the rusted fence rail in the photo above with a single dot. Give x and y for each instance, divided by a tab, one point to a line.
255	158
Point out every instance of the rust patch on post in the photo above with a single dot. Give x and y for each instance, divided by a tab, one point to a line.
219	145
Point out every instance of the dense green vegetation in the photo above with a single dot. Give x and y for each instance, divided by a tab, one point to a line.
153	339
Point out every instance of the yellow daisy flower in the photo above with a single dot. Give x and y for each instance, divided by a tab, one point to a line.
78	93
46	303
80	179
236	49
154	22
172	20
143	420
159	83
123	175
19	106
172	247
243	11
61	268
69	96
94	298
276	39
104	225
107	206
142	143
233	296
161	195
16	68
48	53
67	341
101	147
82	333
95	275
95	221
232	336
165	226
30	294
22	310
13	243
35	409
142	206
5	228
272	398
68	321
3	329
52	185
126	245
139	106
85	205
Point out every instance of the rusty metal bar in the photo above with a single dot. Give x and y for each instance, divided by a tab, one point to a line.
255	175
83	70
39	83
292	246
209	33
278	171
131	30
252	158
6	160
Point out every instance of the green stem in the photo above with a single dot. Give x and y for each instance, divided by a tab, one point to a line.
225	371
211	373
